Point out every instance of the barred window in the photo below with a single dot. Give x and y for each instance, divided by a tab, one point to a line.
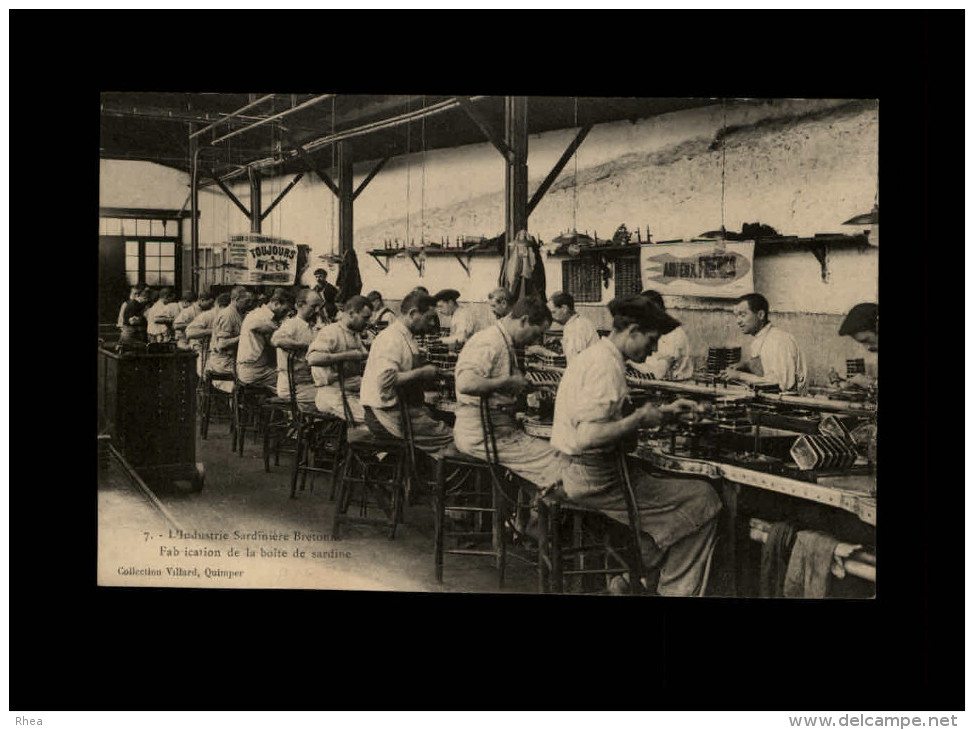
628	277
582	279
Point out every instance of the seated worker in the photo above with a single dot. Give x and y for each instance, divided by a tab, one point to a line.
133	295
327	292
194	307
862	325
462	323
133	321
775	355
381	314
226	336
672	360
578	332
395	362
160	316
500	302
256	357
678	514
487	368
295	335
199	330
341	342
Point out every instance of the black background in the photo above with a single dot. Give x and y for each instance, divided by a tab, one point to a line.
74	646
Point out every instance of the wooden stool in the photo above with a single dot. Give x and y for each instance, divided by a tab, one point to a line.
589	541
379	481
209	393
279	418
247	402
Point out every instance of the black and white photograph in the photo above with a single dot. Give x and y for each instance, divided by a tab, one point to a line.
489	344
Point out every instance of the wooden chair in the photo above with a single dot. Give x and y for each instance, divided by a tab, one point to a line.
469	495
206	397
279	418
590	543
379	470
247	403
320	438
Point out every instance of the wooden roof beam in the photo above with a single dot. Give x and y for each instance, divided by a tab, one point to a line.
559	166
484	125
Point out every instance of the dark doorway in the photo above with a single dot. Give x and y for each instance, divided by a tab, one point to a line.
113	289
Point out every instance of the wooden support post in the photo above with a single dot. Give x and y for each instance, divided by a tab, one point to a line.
346	195
255	206
516	181
194	195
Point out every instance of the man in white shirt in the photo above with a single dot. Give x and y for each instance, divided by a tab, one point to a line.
256	358
160	316
672	360
396	366
487	368
499	301
134	292
678	514
775	357
578	333
341	343
194	307
198	331
295	335
463	324
225	337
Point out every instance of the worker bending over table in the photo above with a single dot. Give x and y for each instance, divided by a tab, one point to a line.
775	355
463	323
395	363
341	342
295	335
578	332
487	368
862	325
678	514
672	360
196	306
226	336
500	302
256	357
199	331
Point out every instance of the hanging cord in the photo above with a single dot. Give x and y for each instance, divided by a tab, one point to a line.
332	170
422	205
723	158
409	126
575	177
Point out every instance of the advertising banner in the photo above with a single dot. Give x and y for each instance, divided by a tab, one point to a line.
256	260
701	268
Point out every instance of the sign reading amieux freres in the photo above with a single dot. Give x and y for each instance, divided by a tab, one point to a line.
700	268
256	259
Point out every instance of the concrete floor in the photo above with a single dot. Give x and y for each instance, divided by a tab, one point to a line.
240	496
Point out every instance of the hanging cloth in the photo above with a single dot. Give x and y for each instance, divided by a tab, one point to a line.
523	273
349	280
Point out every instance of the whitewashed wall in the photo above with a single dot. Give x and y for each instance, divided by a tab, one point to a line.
801	166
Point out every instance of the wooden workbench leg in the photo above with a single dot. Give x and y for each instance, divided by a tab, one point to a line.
730	491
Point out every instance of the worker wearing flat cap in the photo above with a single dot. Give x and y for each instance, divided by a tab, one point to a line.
862	325
678	514
463	323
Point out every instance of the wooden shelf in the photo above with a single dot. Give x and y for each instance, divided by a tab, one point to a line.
415	253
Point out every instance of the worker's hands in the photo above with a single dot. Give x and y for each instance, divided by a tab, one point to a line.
648	416
429	372
516	382
859	381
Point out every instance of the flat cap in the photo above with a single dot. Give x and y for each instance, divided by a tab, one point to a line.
647	314
861	318
446	295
